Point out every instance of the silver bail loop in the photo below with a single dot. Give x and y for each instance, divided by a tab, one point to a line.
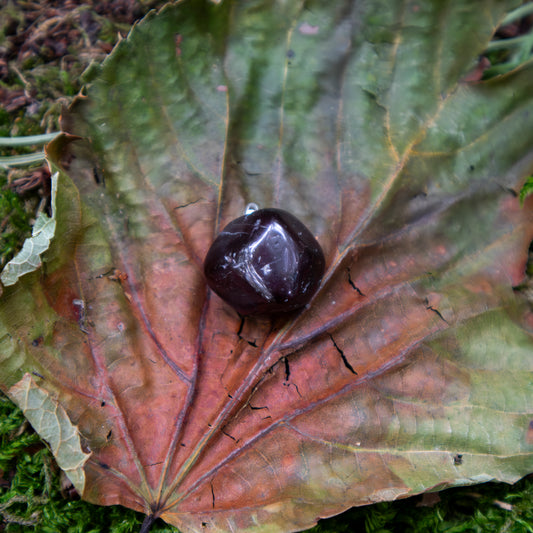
250	208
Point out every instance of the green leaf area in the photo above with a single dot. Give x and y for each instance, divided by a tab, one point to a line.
409	371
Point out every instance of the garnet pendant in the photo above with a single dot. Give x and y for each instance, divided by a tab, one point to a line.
265	262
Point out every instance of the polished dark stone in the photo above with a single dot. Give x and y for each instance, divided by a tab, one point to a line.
264	263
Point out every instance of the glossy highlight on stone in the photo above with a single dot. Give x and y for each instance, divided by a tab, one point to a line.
265	262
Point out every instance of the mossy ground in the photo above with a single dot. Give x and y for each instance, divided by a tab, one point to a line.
34	495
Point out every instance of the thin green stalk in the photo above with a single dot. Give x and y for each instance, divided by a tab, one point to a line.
21	160
518	13
28	139
525	41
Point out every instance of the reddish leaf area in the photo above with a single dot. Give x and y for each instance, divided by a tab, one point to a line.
200	411
409	354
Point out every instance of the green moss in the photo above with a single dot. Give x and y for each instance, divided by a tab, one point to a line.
527	189
5	122
14	221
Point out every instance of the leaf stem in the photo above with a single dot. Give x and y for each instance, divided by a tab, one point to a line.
518	13
21	160
28	139
147	524
523	40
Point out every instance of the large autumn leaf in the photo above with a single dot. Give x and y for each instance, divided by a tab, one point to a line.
410	370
